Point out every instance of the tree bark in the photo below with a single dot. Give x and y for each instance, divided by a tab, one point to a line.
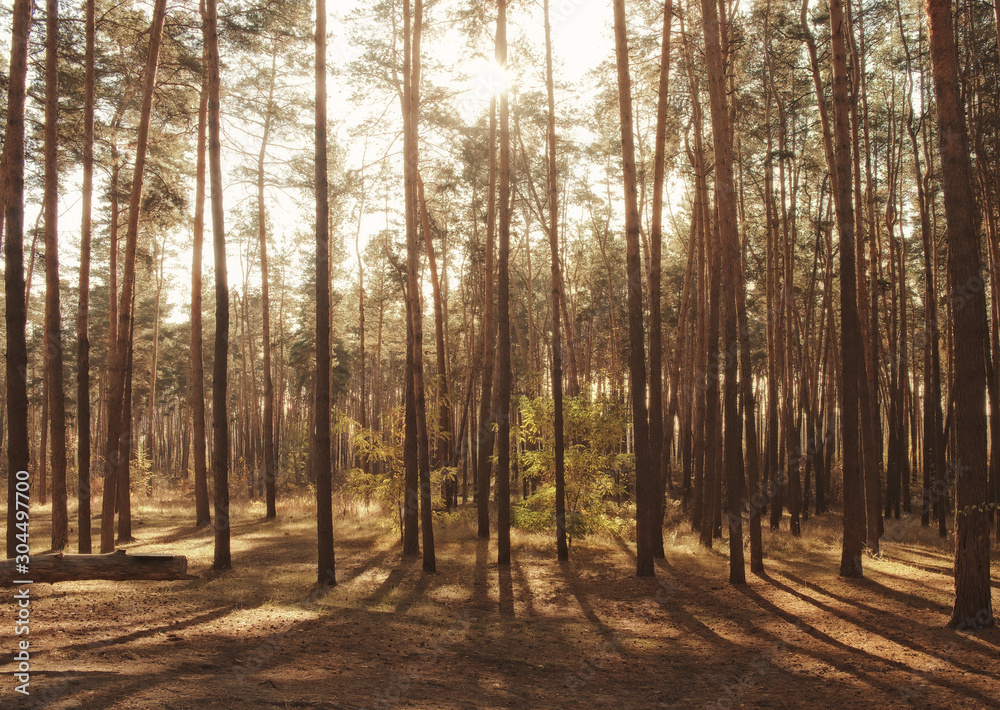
445	447
485	439
851	343
116	566
222	559
82	317
562	548
12	175
732	266
119	353
412	106
203	515
53	318
326	576
659	445
645	477
503	372
270	455
411	512
973	603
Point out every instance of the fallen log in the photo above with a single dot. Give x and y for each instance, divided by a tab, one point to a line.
117	566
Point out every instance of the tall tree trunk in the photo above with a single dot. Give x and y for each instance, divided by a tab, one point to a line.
852	353
222	559
645	477
675	379
485	439
117	368
973	604
203	515
125	452
411	450
12	191
270	455
44	444
53	318
82	316
151	431
411	475
562	548
732	266
871	438
659	445
445	447
324	498
412	256
503	372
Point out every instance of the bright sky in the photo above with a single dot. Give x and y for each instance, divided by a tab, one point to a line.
581	38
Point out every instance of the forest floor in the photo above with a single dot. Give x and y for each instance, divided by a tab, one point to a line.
584	634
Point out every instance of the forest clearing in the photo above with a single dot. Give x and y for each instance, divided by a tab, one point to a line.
542	634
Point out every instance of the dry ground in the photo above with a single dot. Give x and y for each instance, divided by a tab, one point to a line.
587	634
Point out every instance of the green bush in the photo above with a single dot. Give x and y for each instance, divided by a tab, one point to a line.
596	470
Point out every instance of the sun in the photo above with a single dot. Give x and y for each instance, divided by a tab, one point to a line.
486	80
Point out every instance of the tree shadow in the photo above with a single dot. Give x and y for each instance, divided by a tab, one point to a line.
506	593
829	640
181	534
878	630
144	633
388	584
411	597
480	575
524	585
376	561
852	669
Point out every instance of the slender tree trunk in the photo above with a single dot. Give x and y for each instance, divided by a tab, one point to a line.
728	245
562	548
203	515
82	317
445	447
871	437
125	452
113	271
973	603
53	318
852	353
416	314
503	372
44	444
324	497
117	368
12	191
411	481
675	378
270	454
645	477
150	442
363	394
659	445
411	448
220	411
485	438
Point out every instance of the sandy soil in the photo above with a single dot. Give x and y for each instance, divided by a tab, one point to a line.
587	634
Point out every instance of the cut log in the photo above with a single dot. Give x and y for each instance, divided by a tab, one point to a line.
114	566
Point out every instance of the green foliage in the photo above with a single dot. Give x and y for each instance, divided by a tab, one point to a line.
141	472
379	479
596	470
